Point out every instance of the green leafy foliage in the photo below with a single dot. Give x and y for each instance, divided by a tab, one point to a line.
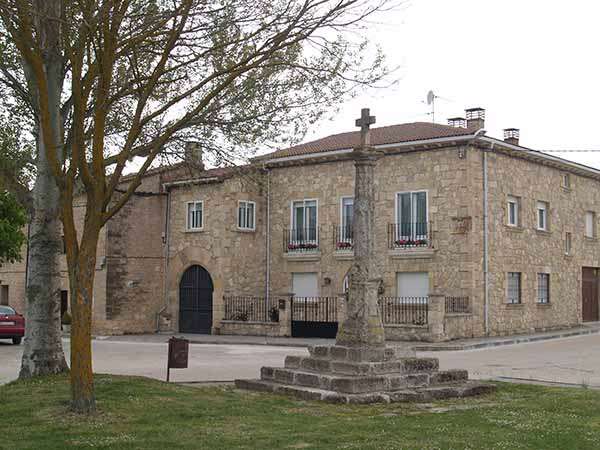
12	221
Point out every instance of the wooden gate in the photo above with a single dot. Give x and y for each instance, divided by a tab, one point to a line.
195	301
314	317
589	294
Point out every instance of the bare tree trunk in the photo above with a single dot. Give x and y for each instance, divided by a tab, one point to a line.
81	275
43	352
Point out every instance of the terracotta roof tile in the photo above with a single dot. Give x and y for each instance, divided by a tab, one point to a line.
392	134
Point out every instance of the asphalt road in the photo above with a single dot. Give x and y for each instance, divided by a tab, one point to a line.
572	360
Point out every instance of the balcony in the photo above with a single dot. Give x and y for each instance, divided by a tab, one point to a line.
343	241
301	243
410	240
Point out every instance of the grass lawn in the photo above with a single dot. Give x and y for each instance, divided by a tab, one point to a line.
139	413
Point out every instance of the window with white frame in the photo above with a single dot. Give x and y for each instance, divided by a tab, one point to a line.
513	287
347	216
411	215
542	216
568	243
195	215
512	208
246	215
304	220
566	180
590	224
543	290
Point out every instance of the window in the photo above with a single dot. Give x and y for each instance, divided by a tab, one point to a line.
543	291
412	284
346	284
246	215
513	211
567	243
411	215
304	220
590	224
4	295
347	212
513	287
542	216
195	215
566	181
305	284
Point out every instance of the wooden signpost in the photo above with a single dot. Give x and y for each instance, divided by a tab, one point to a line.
178	354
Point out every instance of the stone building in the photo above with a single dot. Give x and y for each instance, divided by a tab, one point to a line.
477	236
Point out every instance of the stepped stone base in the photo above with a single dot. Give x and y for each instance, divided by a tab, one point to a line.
364	375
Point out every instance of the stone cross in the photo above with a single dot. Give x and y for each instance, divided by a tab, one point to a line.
365	123
362	327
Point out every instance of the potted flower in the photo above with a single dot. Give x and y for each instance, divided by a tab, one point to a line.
66	322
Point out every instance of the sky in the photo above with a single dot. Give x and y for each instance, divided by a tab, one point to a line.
532	64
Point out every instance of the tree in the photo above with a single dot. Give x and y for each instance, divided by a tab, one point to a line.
12	221
42	352
121	80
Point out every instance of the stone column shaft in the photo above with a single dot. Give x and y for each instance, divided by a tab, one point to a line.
362	326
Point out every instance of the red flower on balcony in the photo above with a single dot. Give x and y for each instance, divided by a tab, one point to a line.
344	245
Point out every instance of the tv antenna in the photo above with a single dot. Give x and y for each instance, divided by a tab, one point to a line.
431	98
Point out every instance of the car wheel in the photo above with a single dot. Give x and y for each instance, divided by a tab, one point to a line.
17	340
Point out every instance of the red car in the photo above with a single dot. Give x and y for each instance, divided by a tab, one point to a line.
12	325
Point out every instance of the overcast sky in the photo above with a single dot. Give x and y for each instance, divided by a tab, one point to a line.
532	64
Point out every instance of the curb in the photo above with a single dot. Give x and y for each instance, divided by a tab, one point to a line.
499	343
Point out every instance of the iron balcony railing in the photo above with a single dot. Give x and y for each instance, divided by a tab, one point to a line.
404	310
458	305
408	235
250	309
343	238
300	240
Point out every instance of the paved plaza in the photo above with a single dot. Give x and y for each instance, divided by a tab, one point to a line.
573	360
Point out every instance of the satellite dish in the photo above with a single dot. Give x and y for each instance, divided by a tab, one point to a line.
430	97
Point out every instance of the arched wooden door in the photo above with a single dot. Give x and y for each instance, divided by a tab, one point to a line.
195	301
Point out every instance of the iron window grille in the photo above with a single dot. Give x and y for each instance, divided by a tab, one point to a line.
513	287
543	287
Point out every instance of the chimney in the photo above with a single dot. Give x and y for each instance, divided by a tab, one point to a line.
475	118
511	136
193	155
457	122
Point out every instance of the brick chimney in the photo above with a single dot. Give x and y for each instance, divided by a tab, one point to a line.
475	118
457	122
193	155
511	136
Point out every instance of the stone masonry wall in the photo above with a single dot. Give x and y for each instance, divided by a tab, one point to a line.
442	173
529	251
235	259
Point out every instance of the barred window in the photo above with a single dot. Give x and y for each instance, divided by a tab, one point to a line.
543	288
513	287
195	218
246	215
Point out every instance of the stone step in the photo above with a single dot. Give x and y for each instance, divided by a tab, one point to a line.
421	394
360	354
403	365
344	383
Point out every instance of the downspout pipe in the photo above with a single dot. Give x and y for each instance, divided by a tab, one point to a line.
268	242
166	257
486	285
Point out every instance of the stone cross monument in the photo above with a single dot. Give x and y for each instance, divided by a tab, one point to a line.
363	327
359	368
